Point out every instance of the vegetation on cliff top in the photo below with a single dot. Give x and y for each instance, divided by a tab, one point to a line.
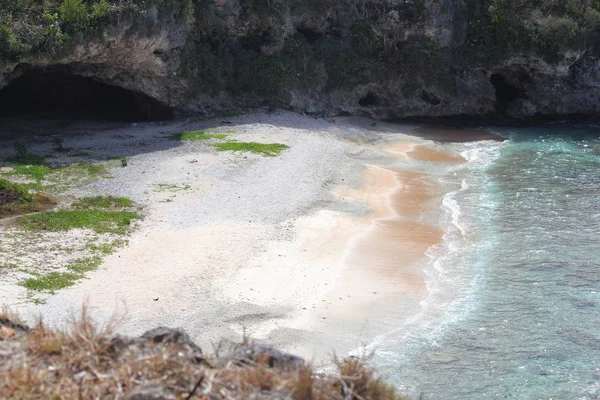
500	28
381	40
88	362
49	27
370	41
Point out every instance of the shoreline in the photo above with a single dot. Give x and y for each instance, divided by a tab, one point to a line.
329	237
382	280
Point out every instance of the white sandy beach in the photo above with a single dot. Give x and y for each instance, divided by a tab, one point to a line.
316	251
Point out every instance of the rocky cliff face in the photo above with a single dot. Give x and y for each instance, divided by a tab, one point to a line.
384	58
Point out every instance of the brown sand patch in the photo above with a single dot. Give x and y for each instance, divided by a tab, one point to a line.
426	153
390	249
384	256
400	148
378	183
394	238
412	197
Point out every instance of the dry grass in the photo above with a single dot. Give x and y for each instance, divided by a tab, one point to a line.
88	362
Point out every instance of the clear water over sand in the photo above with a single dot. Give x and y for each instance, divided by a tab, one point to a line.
514	310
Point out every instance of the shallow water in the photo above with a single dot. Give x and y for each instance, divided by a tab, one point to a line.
514	305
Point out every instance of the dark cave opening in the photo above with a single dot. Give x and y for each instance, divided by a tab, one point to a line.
369	100
310	35
505	92
430	98
56	93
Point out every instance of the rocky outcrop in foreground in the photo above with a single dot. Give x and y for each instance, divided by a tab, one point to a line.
163	364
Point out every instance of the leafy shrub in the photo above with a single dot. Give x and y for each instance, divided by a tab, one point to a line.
561	31
100	9
591	18
74	15
497	11
54	37
12	6
10	46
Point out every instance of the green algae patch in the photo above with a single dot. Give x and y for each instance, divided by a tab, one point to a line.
106	249
75	173
85	264
52	281
100	221
197	135
78	172
105	202
15	199
37	172
264	149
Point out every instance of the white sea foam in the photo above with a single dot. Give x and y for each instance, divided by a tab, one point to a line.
450	284
520	237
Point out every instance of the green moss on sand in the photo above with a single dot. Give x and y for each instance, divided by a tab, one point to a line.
100	221
265	149
196	135
106	202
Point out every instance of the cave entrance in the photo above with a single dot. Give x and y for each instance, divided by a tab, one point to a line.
55	93
505	92
369	100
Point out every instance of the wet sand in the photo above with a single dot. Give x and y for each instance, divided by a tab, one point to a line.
425	153
380	282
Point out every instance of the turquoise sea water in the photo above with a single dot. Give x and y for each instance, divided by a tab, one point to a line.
514	309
